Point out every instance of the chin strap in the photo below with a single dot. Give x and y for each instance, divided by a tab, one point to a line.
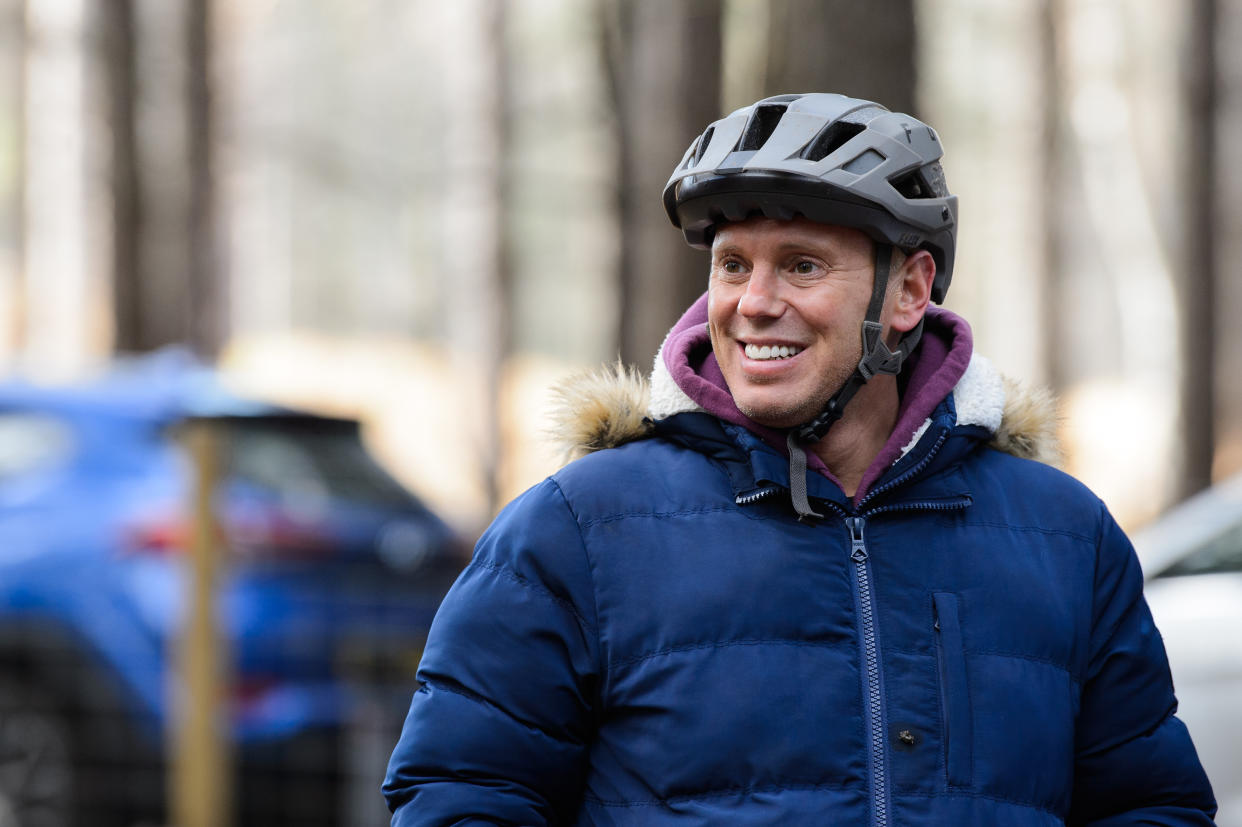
876	359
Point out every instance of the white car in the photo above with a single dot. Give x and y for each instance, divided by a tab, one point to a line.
1192	560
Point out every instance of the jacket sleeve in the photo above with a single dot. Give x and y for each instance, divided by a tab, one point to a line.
1135	763
497	730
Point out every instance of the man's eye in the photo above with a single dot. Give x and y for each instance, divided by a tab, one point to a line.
804	268
732	267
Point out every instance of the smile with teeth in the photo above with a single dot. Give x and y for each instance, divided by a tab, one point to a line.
771	351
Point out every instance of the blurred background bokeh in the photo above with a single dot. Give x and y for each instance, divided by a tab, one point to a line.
422	215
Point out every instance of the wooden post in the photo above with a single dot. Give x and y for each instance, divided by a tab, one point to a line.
200	781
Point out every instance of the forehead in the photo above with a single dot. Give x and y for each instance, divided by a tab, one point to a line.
773	233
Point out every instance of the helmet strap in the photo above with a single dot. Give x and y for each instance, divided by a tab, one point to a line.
876	359
876	356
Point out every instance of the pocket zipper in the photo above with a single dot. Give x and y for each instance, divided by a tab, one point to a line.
954	691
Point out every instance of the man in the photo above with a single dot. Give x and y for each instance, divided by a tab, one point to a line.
818	580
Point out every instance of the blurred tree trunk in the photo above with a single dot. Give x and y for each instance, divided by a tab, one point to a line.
167	287
206	287
1197	282
116	21
478	267
662	61
1055	356
499	299
14	191
865	50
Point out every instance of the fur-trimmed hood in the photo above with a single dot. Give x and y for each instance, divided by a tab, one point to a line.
615	404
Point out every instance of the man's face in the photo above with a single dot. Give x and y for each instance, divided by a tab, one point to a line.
786	302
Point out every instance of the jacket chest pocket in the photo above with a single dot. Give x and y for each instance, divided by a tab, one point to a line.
954	693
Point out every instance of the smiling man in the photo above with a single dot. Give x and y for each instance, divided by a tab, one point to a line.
814	570
784	308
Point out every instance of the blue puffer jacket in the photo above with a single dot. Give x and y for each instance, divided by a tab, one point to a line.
651	637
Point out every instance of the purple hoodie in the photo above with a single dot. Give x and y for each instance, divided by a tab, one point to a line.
934	370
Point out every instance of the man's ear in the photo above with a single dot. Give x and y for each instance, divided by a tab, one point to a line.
912	290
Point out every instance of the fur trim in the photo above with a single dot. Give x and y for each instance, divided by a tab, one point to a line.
600	408
1023	420
610	405
1029	425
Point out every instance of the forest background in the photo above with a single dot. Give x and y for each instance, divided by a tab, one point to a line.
425	214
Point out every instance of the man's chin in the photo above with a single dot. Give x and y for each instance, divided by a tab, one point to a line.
778	417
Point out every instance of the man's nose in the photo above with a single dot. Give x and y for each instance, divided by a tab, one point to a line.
762	295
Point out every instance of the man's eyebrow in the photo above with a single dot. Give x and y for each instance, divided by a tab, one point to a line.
813	244
724	249
786	247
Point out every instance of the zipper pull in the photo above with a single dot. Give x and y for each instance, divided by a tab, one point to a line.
858	547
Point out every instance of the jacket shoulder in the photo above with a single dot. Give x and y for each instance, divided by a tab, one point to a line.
653	475
1026	491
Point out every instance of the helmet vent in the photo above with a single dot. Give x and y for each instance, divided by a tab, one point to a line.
703	142
762	124
830	139
912	185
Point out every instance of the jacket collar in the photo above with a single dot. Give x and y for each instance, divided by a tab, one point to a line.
687	378
925	471
615	404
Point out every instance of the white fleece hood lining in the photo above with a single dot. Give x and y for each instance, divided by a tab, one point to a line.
667	397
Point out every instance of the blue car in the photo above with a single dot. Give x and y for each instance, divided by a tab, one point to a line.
331	574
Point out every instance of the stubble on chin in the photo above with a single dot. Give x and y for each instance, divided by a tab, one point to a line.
782	413
790	412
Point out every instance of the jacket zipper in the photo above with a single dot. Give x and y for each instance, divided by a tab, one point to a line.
955	504
872	686
760	494
910	474
873	691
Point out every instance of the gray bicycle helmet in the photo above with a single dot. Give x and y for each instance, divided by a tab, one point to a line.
829	158
835	160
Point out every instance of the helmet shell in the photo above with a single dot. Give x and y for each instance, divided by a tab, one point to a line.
826	157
